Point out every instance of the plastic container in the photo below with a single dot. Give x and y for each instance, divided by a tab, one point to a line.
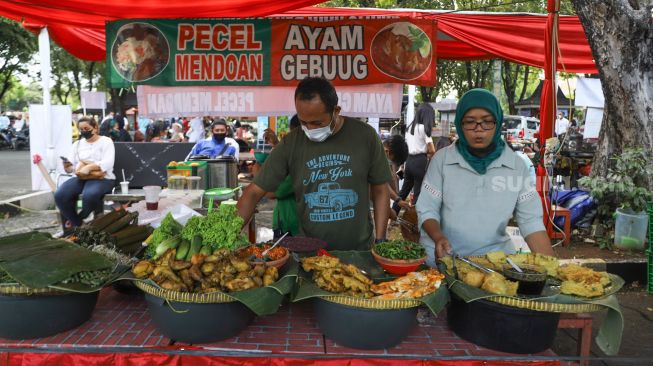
152	197
193	183
176	182
190	169
630	229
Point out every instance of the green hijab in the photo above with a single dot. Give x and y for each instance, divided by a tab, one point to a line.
479	98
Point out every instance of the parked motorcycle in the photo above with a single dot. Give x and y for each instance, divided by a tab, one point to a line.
21	140
6	137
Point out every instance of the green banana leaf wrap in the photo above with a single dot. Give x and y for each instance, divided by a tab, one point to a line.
364	260
36	260
609	335
263	300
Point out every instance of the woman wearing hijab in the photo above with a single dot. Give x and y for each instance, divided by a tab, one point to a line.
473	187
420	151
119	134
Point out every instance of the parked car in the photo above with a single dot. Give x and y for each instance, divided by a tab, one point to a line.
519	127
75	132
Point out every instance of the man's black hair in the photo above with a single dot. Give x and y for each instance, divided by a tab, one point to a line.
294	122
312	86
219	121
398	148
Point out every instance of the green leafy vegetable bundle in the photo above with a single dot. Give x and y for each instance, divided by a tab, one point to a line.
220	229
169	228
400	249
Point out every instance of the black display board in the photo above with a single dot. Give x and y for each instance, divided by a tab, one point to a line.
145	162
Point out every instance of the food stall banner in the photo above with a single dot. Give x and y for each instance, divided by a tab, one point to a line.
375	100
265	52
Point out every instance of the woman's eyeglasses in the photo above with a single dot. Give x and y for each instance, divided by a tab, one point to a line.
470	125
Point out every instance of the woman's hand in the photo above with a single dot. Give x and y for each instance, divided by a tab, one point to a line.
403	204
84	170
442	247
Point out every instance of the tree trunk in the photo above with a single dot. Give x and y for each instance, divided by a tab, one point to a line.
91	67
620	34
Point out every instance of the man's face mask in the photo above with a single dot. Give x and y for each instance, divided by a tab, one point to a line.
219	137
319	134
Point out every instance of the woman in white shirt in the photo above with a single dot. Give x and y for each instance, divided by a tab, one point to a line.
92	160
420	150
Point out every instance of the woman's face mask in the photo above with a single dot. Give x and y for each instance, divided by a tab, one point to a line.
87	134
319	134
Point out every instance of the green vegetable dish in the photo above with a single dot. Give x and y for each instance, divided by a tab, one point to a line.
400	249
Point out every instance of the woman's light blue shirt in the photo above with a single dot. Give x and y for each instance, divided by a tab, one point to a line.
473	209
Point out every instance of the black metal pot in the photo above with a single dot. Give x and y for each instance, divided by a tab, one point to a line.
37	316
198	323
363	328
502	328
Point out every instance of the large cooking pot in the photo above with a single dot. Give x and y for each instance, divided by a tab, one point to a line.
198	323
364	328
222	171
501	327
43	315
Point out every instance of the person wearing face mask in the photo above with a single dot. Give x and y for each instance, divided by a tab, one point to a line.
92	162
334	163
215	145
474	186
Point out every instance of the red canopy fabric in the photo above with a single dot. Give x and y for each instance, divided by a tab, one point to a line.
78	26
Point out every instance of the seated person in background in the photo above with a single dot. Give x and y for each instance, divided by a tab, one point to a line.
92	161
215	145
396	150
176	133
159	132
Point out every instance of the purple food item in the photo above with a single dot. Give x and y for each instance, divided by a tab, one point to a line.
302	244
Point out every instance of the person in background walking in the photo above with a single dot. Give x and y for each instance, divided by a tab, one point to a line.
420	150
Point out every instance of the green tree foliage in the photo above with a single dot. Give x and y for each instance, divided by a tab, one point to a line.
16	48
72	75
518	81
19	97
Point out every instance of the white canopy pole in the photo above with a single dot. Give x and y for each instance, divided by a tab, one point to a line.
44	56
410	108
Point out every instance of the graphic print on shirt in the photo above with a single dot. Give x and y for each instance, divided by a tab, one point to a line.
329	202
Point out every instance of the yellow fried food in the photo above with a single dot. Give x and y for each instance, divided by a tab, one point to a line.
497	284
551	264
496	258
331	275
143	269
319	262
581	289
473	278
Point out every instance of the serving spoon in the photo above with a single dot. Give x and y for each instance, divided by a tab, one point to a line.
514	265
265	252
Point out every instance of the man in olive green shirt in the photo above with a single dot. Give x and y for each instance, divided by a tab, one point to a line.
335	163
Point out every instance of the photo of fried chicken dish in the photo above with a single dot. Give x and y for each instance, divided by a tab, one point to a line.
402	50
